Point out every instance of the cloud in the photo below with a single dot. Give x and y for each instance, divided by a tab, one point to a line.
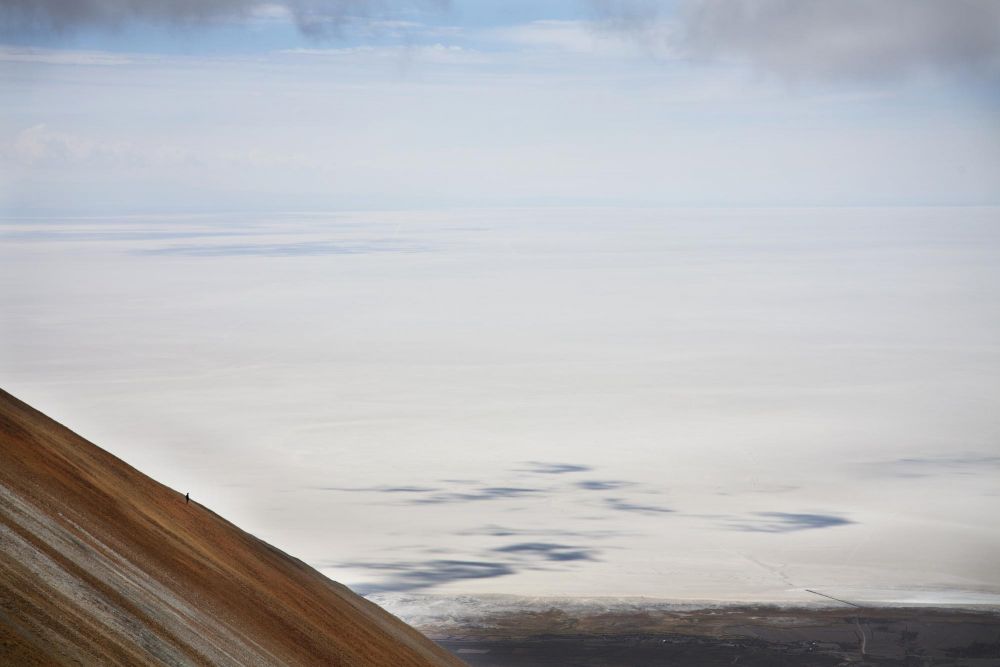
61	57
437	53
66	14
576	37
40	145
44	146
803	40
313	17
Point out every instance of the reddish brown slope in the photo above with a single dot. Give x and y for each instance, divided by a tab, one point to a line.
99	564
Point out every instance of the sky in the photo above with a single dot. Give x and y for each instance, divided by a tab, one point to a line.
684	300
239	105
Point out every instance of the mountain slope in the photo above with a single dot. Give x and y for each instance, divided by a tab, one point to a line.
101	564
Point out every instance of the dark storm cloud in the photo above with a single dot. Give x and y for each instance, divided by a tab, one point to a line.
313	17
64	14
824	39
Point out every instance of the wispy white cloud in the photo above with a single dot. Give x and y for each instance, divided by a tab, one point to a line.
570	36
596	38
408	54
38	145
44	146
68	57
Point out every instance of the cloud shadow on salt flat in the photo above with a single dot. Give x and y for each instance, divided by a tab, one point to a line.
916	467
625	506
505	531
543	468
307	248
787	522
602	484
548	551
113	235
406	489
378	489
476	495
405	576
402	576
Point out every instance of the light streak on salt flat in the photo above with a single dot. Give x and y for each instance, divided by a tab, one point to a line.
733	404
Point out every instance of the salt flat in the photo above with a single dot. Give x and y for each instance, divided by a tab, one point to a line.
688	404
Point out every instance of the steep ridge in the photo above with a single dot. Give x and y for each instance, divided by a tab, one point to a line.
100	564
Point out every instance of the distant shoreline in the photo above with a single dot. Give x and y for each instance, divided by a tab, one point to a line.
431	609
747	634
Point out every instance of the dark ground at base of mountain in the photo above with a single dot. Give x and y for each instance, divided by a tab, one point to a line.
746	637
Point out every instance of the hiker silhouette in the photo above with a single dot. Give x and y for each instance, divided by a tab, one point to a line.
187	498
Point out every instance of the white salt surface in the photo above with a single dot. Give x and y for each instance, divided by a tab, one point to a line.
679	404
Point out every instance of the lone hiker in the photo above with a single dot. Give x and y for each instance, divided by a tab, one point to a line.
187	497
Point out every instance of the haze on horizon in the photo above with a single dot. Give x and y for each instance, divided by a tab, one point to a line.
676	299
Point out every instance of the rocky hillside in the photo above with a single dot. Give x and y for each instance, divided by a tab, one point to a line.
99	564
